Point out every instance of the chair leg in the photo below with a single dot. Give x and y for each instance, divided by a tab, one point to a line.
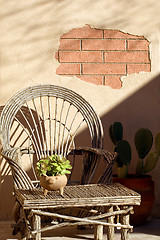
124	231
37	226
110	230
98	232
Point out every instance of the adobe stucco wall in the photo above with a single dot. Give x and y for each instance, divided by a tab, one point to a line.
29	39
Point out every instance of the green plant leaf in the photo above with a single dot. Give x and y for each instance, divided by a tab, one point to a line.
143	142
112	135
151	161
118	162
67	162
123	149
139	168
157	143
69	167
53	165
122	171
116	132
67	172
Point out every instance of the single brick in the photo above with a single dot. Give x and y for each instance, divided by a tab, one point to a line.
103	69
84	32
138	45
109	33
127	57
65	68
103	44
77	56
136	68
113	81
98	80
69	44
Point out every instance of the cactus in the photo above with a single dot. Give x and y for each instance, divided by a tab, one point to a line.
143	143
122	147
151	161
116	132
157	143
124	151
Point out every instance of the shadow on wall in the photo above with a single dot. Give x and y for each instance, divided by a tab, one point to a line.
141	109
6	188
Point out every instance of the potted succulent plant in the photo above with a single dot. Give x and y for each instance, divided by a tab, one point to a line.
140	181
52	171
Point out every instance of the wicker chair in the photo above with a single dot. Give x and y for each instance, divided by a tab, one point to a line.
46	119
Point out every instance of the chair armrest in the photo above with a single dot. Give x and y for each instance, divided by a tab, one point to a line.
12	153
91	159
20	177
108	156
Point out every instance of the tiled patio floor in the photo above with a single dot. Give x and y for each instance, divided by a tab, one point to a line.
148	231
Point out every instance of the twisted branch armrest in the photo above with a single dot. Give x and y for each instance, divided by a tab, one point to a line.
12	153
91	157
20	177
108	156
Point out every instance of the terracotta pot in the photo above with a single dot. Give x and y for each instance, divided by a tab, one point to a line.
53	183
145	187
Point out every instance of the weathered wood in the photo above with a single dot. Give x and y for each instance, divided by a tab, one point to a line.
16	212
100	216
71	218
98	232
60	225
24	238
80	195
124	231
110	229
37	227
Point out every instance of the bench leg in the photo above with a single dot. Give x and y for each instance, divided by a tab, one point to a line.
110	230
37	226
124	231
98	232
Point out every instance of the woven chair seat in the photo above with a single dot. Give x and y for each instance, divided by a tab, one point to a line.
79	195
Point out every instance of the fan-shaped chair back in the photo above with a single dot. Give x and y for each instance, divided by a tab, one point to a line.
46	119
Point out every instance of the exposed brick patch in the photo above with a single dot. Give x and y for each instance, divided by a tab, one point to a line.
114	82
102	56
